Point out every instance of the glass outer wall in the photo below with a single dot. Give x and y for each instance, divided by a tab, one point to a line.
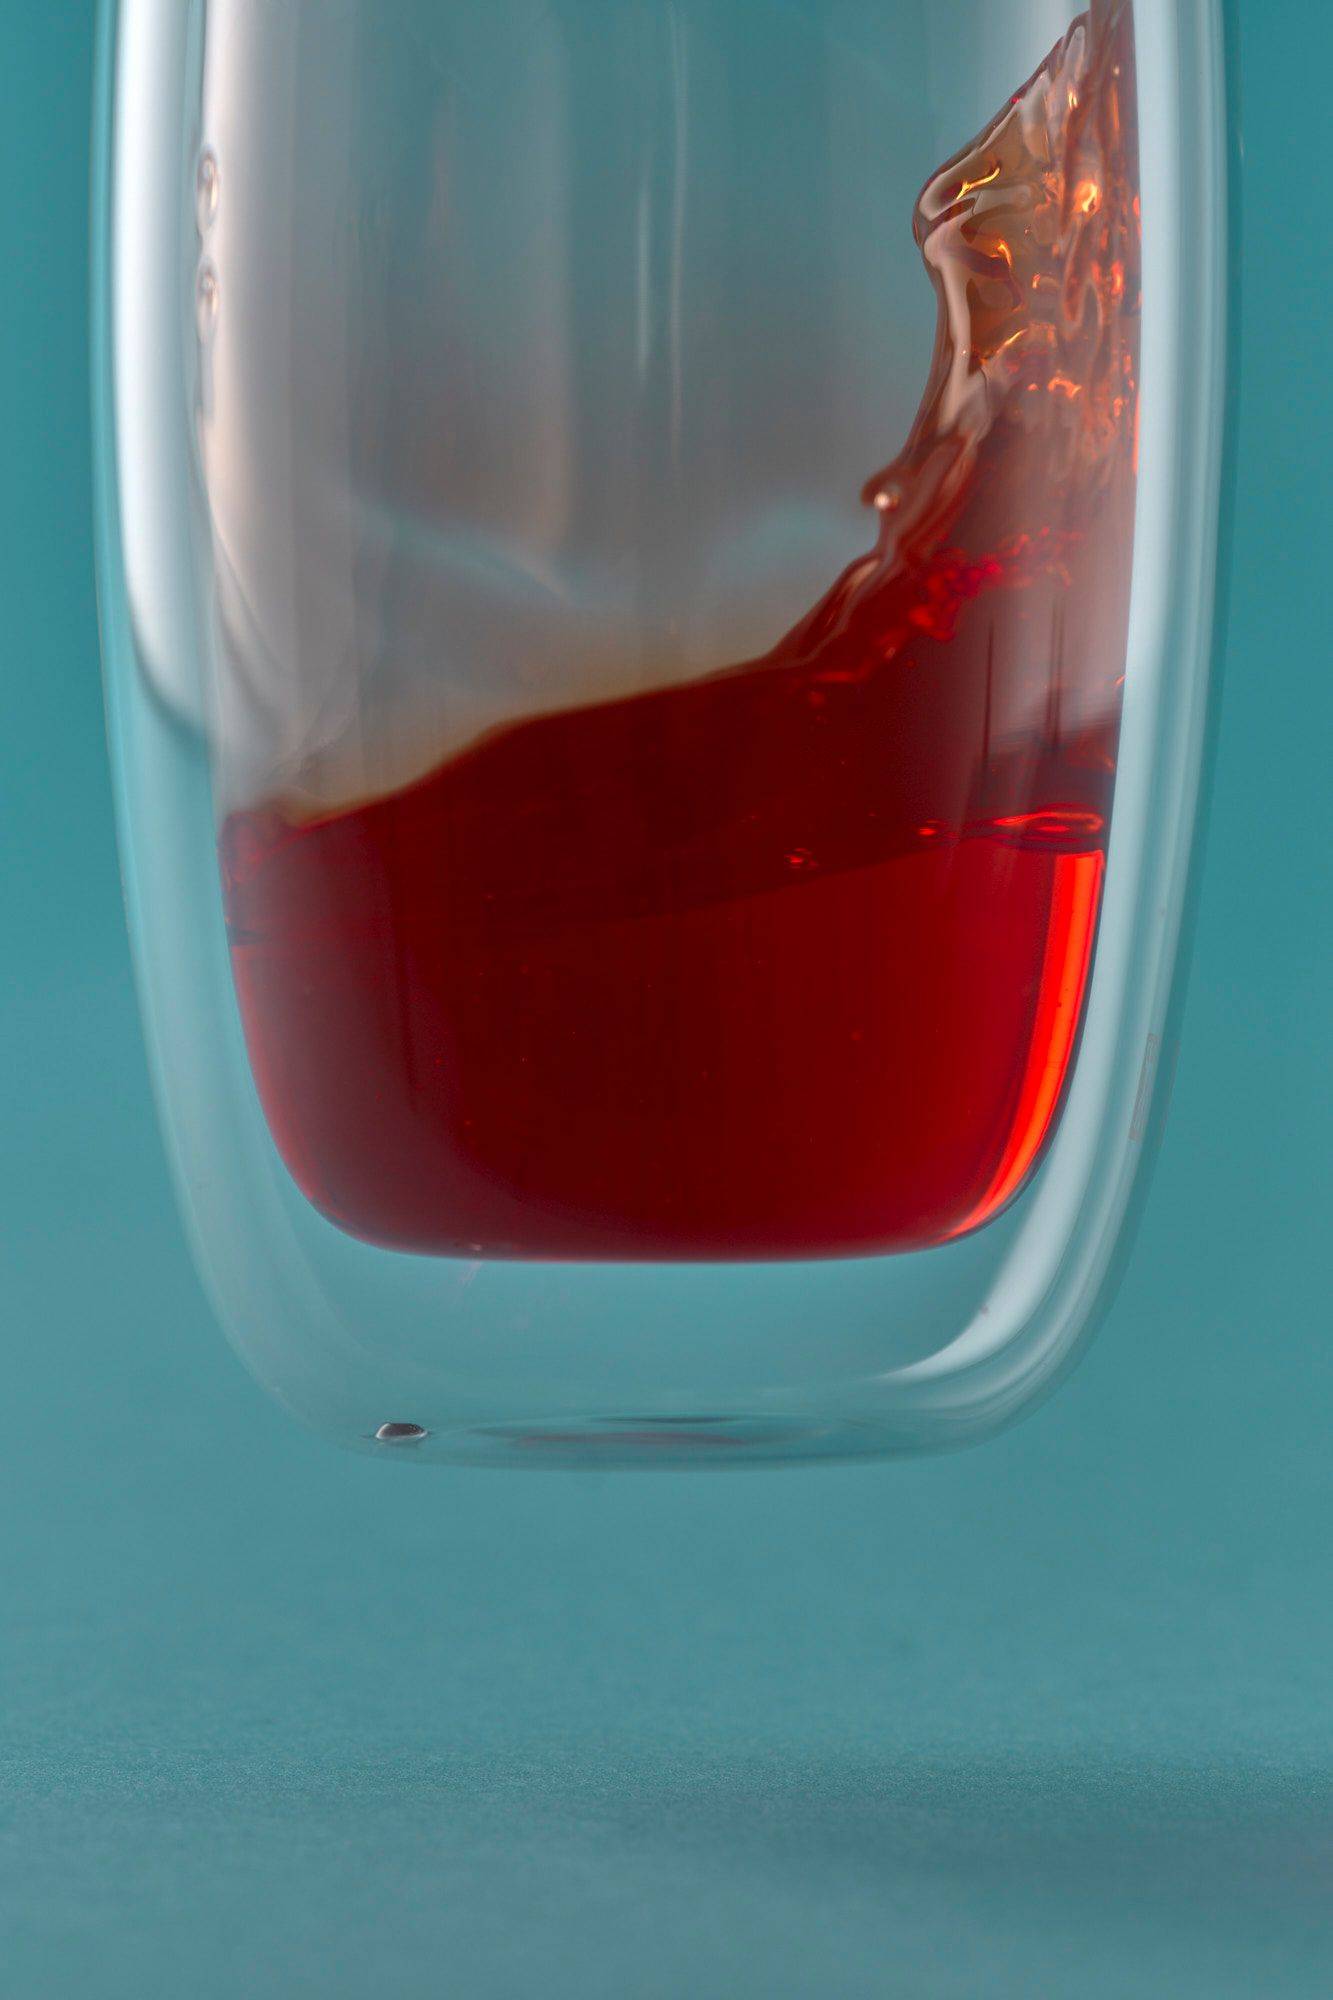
520	398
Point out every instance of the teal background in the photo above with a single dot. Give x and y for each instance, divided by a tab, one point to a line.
1050	1718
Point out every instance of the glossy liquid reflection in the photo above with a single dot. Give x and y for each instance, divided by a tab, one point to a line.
790	960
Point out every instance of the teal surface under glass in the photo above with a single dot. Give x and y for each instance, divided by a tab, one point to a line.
529	438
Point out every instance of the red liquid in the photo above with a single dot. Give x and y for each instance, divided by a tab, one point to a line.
788	961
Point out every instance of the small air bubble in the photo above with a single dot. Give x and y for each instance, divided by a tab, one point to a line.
207	298
206	189
889	499
401	1433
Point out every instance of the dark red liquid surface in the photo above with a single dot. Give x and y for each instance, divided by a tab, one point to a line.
789	960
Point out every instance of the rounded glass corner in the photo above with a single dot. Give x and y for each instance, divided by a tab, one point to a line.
554	1340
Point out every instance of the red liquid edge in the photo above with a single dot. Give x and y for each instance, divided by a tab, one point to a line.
789	961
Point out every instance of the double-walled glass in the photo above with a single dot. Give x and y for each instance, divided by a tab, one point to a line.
658	564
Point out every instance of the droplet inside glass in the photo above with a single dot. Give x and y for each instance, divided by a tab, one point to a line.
206	190
206	300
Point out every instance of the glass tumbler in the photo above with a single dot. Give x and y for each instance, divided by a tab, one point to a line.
658	564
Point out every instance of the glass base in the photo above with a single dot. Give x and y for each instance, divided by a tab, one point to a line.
639	1441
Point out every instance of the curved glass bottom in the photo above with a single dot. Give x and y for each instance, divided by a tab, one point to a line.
611	1443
